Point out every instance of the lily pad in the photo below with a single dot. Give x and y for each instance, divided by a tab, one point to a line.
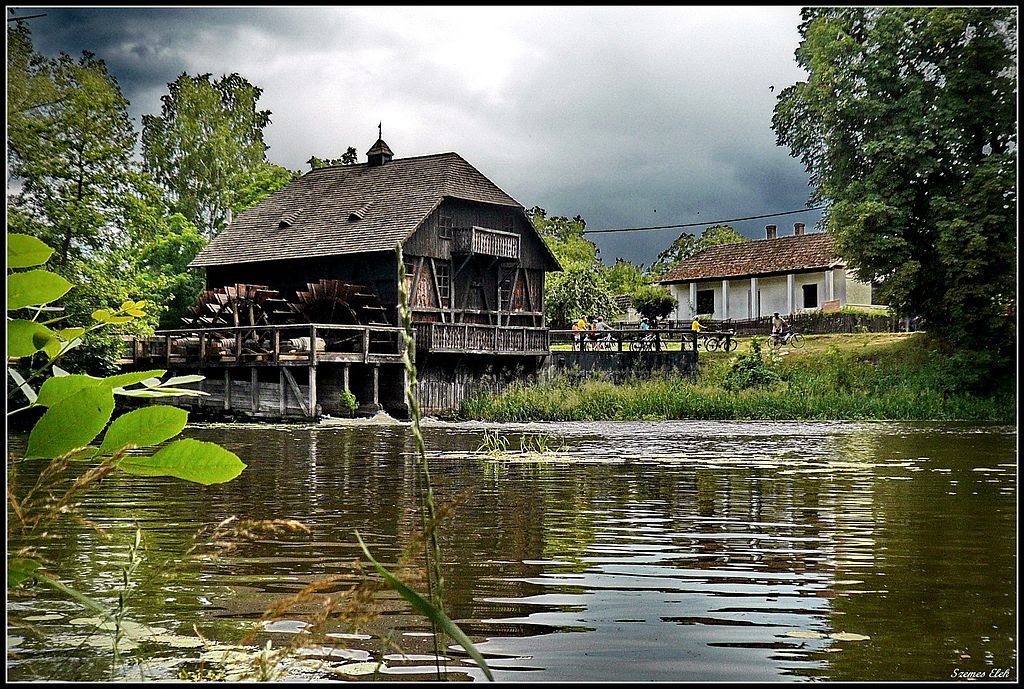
802	634
848	636
175	641
359	669
43	618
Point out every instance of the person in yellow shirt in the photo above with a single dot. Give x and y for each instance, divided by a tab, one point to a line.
582	326
696	326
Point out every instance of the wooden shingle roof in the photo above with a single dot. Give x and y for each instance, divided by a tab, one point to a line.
349	209
790	254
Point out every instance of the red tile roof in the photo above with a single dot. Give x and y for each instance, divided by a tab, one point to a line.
762	257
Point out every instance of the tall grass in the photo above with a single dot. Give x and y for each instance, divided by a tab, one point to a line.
908	380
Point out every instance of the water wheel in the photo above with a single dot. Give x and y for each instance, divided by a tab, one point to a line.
343	303
237	305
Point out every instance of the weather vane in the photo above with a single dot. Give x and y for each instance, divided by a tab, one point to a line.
379	135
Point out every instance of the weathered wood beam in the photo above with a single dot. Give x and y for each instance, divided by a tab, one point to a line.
296	389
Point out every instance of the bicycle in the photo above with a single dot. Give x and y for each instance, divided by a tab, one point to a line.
725	341
644	344
789	337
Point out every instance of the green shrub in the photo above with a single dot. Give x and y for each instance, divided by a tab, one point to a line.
751	371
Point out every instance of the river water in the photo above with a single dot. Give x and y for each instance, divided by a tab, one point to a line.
634	551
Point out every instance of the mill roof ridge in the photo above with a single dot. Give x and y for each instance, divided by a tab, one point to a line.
350	209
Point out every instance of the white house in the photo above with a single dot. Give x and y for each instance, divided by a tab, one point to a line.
788	275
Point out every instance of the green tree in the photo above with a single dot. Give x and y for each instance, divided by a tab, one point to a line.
206	144
266	179
574	293
70	141
349	157
581	289
624	277
907	126
687	245
653	301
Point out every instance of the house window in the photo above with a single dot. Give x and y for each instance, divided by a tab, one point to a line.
706	301
444	226
810	296
505	294
444	283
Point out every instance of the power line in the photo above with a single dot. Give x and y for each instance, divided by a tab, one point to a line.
707	222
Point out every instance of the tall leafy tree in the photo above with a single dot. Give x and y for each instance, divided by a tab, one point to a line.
581	289
907	125
206	143
687	245
349	157
266	179
70	141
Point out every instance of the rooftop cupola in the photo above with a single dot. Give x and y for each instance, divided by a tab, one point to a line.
380	152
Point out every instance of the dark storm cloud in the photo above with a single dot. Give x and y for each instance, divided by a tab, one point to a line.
627	116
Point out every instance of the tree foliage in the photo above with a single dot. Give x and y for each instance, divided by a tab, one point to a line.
582	289
206	143
654	302
686	245
70	140
265	180
907	125
349	157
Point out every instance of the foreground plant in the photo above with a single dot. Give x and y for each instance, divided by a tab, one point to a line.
78	435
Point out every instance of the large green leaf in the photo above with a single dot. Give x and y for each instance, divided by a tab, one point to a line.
57	388
124	379
19	569
25	338
24	251
71	423
188	459
425	608
144	427
34	287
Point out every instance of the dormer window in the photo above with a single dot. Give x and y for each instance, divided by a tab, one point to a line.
288	219
360	213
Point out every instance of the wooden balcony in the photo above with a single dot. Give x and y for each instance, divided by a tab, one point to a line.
472	338
480	240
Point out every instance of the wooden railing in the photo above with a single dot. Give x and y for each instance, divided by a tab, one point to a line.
635	339
298	343
478	338
480	240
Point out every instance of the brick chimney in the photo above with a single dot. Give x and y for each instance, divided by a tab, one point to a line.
771	231
798	229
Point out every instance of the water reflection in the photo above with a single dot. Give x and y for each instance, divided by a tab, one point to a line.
667	551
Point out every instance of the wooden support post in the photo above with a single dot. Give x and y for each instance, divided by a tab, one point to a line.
376	385
312	391
227	388
281	391
136	350
202	348
167	351
254	392
366	345
344	377
199	402
312	345
277	345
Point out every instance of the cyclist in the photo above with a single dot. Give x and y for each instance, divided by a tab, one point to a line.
778	326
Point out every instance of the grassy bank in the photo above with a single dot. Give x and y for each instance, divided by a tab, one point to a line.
849	376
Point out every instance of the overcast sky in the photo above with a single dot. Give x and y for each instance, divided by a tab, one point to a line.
628	116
